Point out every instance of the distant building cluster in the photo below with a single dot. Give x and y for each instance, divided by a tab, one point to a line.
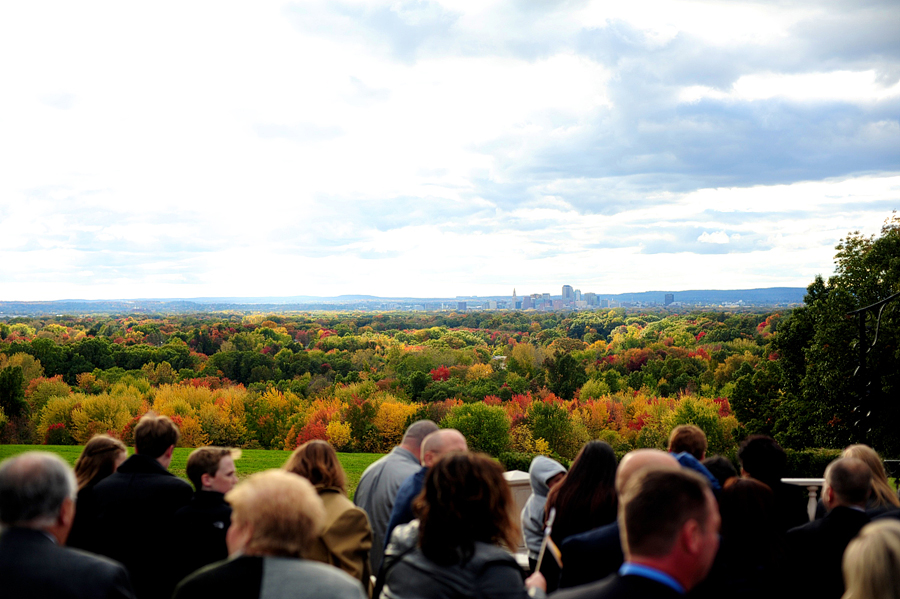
569	299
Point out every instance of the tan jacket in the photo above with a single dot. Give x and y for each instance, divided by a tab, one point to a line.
347	538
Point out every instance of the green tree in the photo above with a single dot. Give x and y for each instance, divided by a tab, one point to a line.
486	428
12	395
827	400
564	374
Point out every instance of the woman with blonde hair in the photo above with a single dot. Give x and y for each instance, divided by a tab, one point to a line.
883	497
276	516
346	539
100	457
872	562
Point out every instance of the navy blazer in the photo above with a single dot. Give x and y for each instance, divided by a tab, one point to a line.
620	587
591	556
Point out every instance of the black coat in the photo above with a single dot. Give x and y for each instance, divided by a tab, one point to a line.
591	556
201	527
814	552
620	587
135	510
84	528
745	571
33	566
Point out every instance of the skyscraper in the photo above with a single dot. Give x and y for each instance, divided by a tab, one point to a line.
568	294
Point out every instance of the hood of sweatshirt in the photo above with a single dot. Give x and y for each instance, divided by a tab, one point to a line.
541	470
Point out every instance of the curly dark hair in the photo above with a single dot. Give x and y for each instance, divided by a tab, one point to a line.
465	499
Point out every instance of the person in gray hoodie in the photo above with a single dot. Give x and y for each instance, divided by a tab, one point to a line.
545	473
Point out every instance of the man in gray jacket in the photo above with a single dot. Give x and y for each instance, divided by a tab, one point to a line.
380	482
545	473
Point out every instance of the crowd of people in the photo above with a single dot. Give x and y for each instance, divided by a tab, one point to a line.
432	520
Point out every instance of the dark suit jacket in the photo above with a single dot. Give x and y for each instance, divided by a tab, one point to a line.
33	566
815	550
591	556
135	510
620	587
790	504
200	527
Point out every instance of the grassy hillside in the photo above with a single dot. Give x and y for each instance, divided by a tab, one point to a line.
252	460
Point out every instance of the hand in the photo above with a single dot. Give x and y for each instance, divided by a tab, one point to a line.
536	580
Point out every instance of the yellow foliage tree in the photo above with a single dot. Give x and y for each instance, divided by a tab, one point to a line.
391	420
31	367
96	414
192	434
479	371
595	416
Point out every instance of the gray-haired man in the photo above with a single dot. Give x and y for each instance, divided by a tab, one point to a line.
37	505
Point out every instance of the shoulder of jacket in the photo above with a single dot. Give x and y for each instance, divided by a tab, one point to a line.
403	538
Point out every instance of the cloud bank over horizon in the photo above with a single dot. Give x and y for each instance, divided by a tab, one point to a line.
440	148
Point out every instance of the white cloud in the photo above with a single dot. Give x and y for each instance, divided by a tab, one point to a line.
835	86
717	237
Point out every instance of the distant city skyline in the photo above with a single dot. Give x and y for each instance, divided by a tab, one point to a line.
438	147
653	300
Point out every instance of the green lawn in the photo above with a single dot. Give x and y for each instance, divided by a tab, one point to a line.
252	460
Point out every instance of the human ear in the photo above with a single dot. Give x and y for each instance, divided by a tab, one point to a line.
692	536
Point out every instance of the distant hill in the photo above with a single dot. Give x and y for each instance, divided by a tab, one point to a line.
771	296
768	296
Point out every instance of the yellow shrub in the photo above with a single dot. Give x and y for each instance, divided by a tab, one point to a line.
338	434
521	439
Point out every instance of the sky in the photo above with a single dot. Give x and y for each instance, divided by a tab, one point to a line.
440	148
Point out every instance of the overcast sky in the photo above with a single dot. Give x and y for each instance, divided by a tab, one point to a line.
435	148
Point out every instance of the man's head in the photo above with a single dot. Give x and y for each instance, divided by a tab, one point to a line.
762	458
212	469
37	490
438	443
274	513
689	438
639	459
848	482
415	434
669	520
155	436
